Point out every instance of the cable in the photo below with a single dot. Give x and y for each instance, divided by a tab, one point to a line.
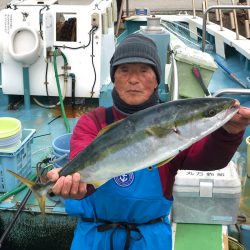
47	92
92	60
41	21
80	47
46	78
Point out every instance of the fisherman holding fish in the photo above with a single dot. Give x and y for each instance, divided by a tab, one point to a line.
131	211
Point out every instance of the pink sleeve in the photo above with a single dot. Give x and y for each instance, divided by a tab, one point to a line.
211	153
84	133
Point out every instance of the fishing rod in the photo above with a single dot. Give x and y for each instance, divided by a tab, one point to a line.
232	75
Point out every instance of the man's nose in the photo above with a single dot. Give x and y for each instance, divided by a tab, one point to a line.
133	78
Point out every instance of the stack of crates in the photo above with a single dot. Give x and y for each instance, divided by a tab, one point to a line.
17	160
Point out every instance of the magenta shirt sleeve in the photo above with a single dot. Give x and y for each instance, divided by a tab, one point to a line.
211	153
84	133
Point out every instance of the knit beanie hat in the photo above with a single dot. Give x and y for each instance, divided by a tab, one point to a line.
136	48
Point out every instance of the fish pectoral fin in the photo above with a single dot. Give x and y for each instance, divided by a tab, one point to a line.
165	162
158	132
107	128
97	184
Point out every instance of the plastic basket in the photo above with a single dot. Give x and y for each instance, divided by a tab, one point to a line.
17	160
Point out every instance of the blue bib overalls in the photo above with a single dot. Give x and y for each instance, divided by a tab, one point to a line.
127	212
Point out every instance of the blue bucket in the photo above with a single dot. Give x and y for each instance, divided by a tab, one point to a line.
245	236
61	147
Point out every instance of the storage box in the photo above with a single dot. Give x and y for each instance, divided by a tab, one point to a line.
210	197
186	59
17	160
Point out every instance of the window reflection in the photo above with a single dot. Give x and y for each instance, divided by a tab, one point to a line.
66	25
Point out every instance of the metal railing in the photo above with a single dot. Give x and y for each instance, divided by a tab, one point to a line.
218	7
231	91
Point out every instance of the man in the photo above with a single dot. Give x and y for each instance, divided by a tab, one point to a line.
131	211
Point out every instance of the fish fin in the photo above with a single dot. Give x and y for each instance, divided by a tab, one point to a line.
158	132
164	162
107	128
36	189
97	184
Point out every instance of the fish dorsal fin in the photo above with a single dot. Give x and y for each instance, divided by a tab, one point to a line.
107	128
158	131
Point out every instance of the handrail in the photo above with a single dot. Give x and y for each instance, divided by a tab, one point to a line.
231	91
236	22
193	6
175	89
219	7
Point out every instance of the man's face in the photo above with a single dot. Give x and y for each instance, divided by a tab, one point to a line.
135	82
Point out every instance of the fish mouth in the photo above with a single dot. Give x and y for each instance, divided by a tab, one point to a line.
235	107
235	104
230	112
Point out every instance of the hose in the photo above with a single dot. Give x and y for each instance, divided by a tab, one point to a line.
66	122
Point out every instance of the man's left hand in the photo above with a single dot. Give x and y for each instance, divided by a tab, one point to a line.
239	121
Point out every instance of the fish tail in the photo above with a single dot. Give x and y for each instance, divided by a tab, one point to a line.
39	190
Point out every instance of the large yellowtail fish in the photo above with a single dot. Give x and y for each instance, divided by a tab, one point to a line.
150	137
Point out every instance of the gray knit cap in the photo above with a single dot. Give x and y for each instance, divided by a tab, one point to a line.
136	48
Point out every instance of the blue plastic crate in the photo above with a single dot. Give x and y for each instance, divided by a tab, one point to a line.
18	160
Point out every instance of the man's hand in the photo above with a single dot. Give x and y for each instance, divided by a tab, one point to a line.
69	186
239	121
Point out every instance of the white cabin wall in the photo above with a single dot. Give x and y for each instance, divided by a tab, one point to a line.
79	60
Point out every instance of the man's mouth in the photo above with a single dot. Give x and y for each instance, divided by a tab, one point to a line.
133	91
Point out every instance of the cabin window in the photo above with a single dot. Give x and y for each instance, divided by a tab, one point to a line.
66	27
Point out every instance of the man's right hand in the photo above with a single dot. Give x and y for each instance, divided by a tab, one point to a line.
69	187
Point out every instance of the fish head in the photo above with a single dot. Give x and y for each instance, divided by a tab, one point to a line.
221	107
202	116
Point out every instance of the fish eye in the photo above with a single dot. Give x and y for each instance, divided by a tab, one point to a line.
210	113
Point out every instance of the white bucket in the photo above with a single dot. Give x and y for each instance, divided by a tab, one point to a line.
248	155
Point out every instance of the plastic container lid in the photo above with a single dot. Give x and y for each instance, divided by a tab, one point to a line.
195	57
225	180
9	126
